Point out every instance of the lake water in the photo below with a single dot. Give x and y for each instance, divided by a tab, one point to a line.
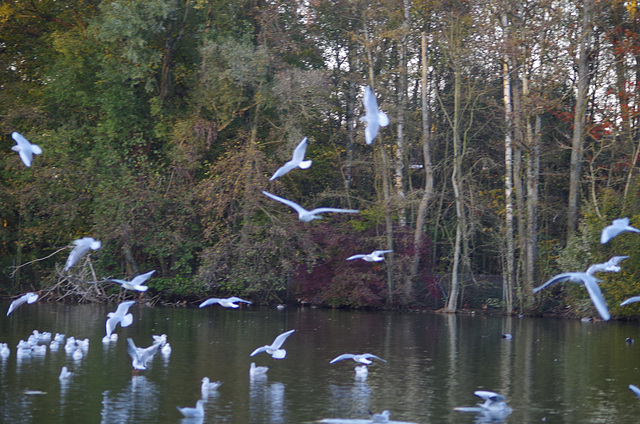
553	371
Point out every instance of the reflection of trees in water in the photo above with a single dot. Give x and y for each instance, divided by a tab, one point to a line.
266	397
139	398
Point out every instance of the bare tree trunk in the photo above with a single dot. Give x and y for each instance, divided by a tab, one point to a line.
427	192
509	273
579	120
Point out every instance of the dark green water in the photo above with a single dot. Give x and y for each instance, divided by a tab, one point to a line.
552	371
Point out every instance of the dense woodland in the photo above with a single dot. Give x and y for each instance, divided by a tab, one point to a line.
513	141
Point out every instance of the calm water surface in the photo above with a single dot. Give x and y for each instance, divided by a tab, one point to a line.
553	371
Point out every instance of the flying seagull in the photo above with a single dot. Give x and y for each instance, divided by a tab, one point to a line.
119	316
230	302
591	284
197	412
373	116
361	359
635	389
83	246
25	149
618	226
274	348
295	162
28	297
136	283
375	256
305	215
140	356
610	266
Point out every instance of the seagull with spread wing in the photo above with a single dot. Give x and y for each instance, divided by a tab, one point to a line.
83	246
27	297
230	302
374	117
274	349
297	161
25	149
305	215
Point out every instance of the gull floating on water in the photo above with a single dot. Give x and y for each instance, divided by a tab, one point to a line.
25	149
65	374
197	412
255	371
305	215
610	266
28	297
381	418
208	386
136	283
119	316
274	348
618	226
140	356
375	256
361	359
83	246
230	302
373	116
591	284
297	161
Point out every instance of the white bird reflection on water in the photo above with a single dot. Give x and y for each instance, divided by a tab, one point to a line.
266	400
138	399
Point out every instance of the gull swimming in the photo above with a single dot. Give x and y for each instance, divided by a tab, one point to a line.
373	116
197	412
591	284
618	226
610	266
361	359
25	149
119	316
381	418
274	348
305	215
83	246
255	371
136	283
140	356
28	297
297	161
65	374
208	386
230	302
375	256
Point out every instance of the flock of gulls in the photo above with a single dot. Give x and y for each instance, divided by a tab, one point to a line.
494	406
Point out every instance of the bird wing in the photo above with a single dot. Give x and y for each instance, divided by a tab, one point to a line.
237	299
371	131
370	102
369	355
591	283
294	205
350	258
283	170
210	301
635	389
341	357
555	279
123	307
280	339
380	252
325	210
132	350
20	139
299	152
141	278
79	251
631	300
487	395
26	155
19	301
259	350
31	297
110	325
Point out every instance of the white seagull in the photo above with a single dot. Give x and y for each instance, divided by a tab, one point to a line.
361	359
305	215
28	297
255	371
136	283
197	412
274	348
591	284
83	246
375	256
140	356
610	266
65	374
381	418
618	226
25	149
119	316
373	116
230	302
297	161
208	386
494	404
